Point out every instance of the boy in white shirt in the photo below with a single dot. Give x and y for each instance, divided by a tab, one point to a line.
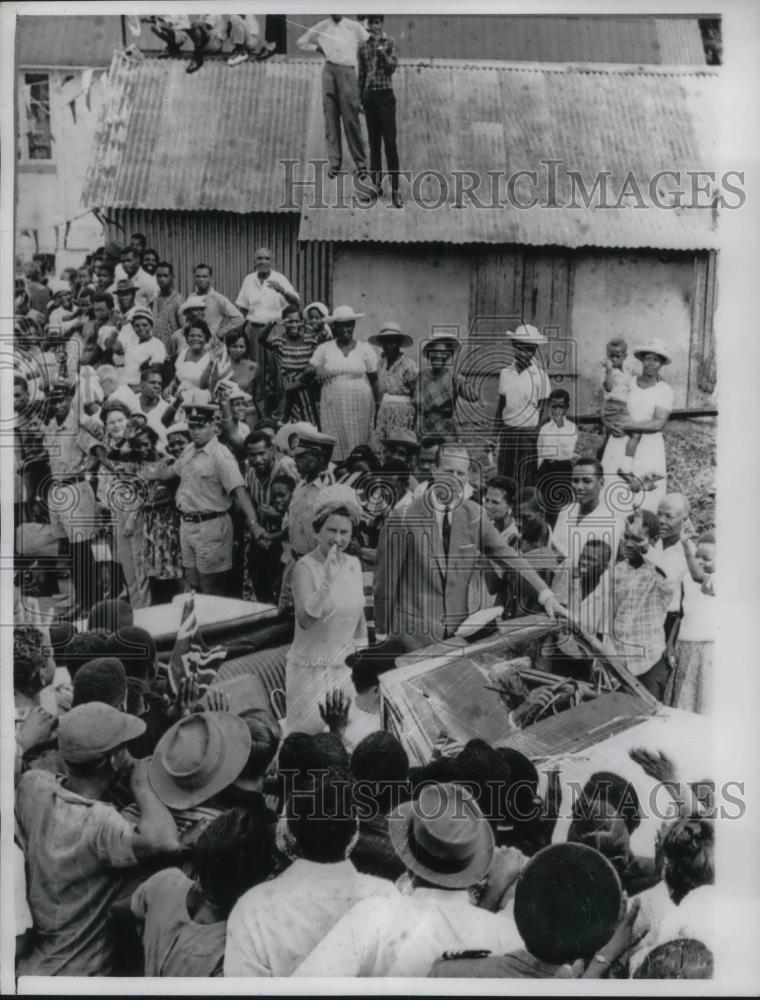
616	386
556	450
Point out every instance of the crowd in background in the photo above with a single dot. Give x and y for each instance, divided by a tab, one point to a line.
172	441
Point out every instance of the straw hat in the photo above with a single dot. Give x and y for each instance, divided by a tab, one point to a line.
390	331
446	340
526	334
654	346
343	314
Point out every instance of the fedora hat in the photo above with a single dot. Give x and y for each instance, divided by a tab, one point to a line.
447	340
125	285
567	903
443	836
343	314
526	334
198	757
390	331
654	346
402	435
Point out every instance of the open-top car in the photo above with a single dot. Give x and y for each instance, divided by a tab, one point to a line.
519	688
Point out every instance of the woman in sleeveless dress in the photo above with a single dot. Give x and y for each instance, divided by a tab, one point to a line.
329	614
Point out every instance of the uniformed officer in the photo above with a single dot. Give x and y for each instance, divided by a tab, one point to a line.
209	480
69	439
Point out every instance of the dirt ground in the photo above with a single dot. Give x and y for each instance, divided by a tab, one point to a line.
690	449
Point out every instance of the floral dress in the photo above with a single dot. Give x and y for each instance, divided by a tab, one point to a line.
398	384
162	557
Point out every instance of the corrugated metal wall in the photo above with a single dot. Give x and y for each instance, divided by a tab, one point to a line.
228	243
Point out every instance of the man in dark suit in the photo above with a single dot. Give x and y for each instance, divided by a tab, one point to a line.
427	555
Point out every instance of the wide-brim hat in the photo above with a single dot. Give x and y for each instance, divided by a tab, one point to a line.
390	331
89	731
445	340
443	837
402	435
193	302
527	334
654	346
567	903
343	314
198	757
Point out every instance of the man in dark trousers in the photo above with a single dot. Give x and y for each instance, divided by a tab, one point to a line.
377	64
337	38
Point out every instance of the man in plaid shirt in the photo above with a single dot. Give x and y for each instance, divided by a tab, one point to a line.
377	64
641	598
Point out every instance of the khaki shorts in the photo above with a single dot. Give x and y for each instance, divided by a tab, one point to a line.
72	511
207	545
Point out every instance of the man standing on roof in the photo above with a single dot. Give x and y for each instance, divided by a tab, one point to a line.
337	38
377	64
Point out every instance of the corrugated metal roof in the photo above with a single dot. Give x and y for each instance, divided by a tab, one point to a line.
510	118
201	142
214	141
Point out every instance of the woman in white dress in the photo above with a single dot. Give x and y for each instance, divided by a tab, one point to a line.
347	369
192	369
329	611
649	405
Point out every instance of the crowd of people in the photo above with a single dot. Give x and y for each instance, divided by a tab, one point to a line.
170	443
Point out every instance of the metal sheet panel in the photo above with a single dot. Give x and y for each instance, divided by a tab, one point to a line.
212	141
228	243
628	122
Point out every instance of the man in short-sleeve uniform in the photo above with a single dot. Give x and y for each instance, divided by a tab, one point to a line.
209	479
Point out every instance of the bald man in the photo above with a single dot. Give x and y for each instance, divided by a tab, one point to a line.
668	552
263	296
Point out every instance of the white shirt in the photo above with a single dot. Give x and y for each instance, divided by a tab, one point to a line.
147	286
404	936
555	443
571	532
275	925
672	561
523	392
339	42
261	303
153	417
137	352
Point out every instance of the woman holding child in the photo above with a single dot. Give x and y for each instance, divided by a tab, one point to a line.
650	400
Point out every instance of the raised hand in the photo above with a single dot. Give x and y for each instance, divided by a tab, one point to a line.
334	711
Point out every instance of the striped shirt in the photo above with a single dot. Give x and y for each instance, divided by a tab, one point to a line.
293	355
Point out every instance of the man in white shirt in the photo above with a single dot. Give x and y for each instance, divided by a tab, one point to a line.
447	845
589	516
275	925
146	285
668	552
338	39
263	297
523	385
